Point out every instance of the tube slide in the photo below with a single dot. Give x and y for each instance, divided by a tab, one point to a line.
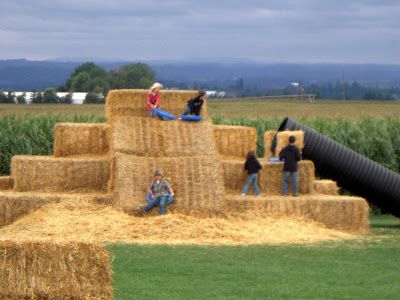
351	170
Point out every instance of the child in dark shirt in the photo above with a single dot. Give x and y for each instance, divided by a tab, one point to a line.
291	155
252	166
194	105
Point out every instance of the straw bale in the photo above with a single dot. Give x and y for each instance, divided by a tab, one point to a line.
6	183
133	103
270	179
197	181
81	138
283	140
50	174
326	187
45	270
152	137
337	212
84	221
235	141
268	136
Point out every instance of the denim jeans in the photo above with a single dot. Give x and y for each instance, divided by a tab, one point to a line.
160	200
285	183
151	113
187	111
251	179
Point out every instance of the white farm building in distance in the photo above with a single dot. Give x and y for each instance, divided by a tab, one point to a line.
77	98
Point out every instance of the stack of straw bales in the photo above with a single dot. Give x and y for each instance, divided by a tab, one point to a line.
6	183
49	174
197	181
235	141
326	187
133	103
268	137
81	139
271	175
41	270
152	137
337	212
283	140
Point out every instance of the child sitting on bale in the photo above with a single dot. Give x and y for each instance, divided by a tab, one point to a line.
194	105
252	166
153	98
159	190
291	155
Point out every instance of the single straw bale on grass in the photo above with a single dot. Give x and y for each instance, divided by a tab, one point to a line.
6	183
326	187
337	212
283	140
134	103
235	141
270	177
268	137
63	174
197	182
80	139
46	270
152	137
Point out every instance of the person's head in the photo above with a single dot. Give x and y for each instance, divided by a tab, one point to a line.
292	139
251	155
156	87
158	174
202	95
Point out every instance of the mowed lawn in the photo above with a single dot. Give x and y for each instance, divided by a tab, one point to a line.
239	108
368	268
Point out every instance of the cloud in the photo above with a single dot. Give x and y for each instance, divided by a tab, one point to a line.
302	30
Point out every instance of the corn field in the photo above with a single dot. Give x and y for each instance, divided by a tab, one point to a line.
378	138
31	135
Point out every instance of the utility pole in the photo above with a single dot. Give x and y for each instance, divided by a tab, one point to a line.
343	86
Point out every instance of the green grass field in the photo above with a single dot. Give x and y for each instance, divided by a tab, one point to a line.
368	268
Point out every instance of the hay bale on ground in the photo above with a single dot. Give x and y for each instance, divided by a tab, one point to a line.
271	175
235	141
133	103
152	137
6	183
326	187
81	138
45	270
268	136
197	181
49	174
336	212
283	140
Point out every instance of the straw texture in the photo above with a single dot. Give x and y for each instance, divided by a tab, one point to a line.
43	270
133	103
270	177
283	140
79	139
152	137
49	174
197	181
6	183
337	212
326	187
235	141
268	136
85	221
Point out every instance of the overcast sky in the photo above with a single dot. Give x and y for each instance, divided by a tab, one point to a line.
343	31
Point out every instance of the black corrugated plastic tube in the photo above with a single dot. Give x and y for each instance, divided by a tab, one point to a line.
351	170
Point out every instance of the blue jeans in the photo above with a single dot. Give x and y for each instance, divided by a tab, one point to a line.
251	179
160	200
285	183
187	111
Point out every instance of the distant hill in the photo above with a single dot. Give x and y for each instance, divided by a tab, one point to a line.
21	74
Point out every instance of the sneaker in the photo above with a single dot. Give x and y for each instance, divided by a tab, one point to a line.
284	195
295	195
142	211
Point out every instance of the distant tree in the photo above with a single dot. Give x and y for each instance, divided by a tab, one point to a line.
138	75
10	97
90	78
37	98
50	96
3	97
93	98
21	99
67	99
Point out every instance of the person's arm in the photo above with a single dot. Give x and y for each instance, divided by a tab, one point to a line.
171	191
157	103
149	101
151	191
298	156
282	154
